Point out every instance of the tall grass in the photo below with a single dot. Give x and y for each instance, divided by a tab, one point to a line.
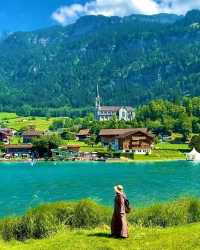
179	212
47	219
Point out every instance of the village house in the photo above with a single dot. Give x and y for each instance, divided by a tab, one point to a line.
19	149
29	135
105	113
134	140
6	134
83	134
4	137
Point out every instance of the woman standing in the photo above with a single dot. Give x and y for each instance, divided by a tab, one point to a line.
119	227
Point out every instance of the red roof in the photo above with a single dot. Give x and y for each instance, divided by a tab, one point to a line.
118	132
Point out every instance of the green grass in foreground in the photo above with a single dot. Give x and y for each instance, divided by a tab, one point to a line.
175	238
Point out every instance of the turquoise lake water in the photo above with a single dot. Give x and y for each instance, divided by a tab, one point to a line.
23	186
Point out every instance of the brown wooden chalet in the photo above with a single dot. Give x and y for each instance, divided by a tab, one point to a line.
83	134
134	140
29	135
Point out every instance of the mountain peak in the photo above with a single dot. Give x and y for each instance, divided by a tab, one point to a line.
192	16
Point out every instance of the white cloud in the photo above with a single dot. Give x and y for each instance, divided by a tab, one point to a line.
68	14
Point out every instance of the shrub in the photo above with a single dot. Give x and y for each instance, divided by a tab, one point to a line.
9	228
62	211
193	210
179	212
148	216
39	225
87	214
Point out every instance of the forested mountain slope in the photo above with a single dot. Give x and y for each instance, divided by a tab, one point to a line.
133	59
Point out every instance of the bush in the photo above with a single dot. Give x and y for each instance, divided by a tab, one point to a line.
62	211
179	212
87	214
39	225
9	228
193	211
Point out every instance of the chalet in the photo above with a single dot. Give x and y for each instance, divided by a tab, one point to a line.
6	134
134	140
4	137
8	131
83	134
19	149
29	135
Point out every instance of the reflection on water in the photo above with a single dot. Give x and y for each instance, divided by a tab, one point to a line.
23	186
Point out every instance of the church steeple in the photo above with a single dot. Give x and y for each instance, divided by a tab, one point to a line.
98	99
98	104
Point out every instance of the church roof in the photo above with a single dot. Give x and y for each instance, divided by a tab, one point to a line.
115	108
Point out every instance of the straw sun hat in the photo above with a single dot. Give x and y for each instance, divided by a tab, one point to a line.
118	188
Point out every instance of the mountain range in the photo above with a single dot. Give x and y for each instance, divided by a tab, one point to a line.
133	60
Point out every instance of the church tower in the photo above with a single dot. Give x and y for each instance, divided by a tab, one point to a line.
97	104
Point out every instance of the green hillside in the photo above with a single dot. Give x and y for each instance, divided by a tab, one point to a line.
133	59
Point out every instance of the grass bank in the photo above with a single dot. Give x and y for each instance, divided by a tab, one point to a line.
173	238
86	225
46	220
166	151
162	155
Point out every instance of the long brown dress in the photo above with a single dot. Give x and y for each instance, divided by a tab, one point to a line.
119	226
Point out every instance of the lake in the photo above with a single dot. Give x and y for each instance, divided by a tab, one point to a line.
23	186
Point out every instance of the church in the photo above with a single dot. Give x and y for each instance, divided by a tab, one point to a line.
105	113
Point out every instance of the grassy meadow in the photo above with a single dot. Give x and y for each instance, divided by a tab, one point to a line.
12	120
166	151
40	123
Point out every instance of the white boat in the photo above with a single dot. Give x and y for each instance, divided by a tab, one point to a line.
193	155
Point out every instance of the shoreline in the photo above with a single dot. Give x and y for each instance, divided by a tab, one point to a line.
109	161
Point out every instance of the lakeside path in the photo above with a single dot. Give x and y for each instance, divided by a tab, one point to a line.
175	238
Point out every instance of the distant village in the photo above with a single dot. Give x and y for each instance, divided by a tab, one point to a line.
127	141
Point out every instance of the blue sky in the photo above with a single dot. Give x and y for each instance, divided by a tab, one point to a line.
25	15
29	14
